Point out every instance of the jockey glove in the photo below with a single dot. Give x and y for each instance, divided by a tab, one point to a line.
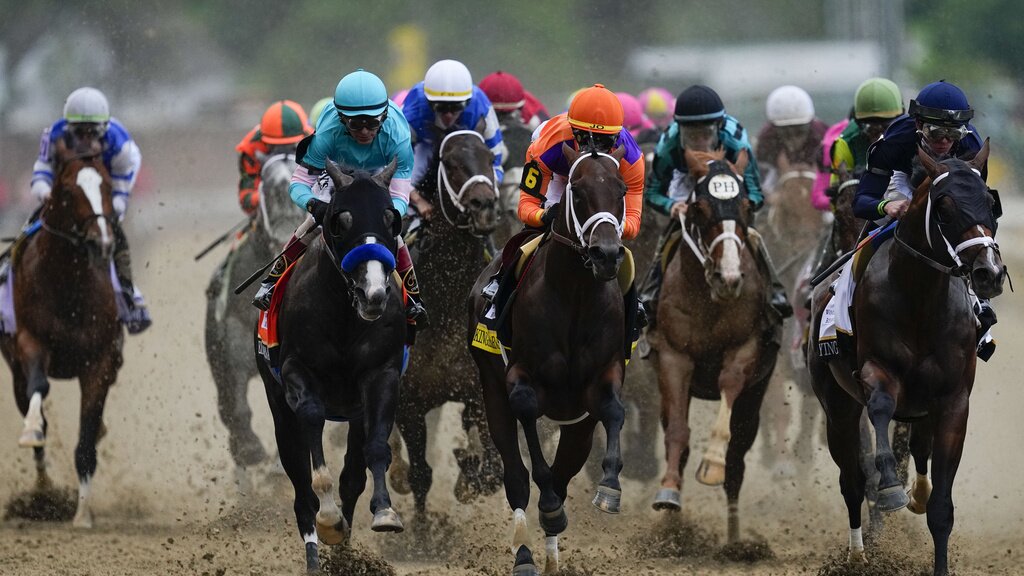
318	208
549	215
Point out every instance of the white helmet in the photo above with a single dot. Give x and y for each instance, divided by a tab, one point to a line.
790	106
86	105
448	81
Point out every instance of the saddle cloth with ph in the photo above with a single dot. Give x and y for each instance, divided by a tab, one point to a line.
492	327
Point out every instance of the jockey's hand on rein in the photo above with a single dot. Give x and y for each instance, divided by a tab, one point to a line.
677	209
549	215
318	209
896	208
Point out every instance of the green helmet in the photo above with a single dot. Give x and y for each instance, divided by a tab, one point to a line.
877	98
317	109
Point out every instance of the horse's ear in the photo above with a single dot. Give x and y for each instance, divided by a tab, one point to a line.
618	153
570	153
979	160
928	163
341	180
742	159
384	178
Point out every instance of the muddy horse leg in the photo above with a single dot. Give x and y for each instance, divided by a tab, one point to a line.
743	426
412	423
233	407
881	407
674	373
574	445
294	454
95	382
33	359
920	442
22	400
380	395
612	415
950	429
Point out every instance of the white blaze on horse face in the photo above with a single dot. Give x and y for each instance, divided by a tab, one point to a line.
376	278
89	180
729	264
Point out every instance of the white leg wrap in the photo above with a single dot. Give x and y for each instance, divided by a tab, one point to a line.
519	536
551	546
309	538
34	416
856	539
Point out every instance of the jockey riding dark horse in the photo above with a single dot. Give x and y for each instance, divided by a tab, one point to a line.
338	356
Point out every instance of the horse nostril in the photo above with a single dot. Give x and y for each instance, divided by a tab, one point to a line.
596	254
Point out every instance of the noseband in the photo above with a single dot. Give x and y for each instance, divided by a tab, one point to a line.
572	222
460	221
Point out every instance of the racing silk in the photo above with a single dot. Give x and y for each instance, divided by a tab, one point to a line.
533	111
669	165
332	140
890	162
770	146
479	115
250	150
544	159
121	156
826	174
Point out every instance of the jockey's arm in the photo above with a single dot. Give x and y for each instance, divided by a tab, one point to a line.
492	137
633	176
882	173
248	185
532	190
124	168
752	180
423	155
42	170
659	177
401	182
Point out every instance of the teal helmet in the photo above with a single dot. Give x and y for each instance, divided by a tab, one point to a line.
317	110
361	94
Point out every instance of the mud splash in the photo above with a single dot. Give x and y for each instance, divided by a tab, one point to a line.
674	535
353	561
47	504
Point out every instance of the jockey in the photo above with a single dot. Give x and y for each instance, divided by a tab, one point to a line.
317	109
366	132
444	101
87	125
701	124
283	124
658	104
938	121
792	134
594	121
635	120
511	100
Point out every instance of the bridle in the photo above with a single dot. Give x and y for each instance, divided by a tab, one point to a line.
699	248
264	215
77	236
572	221
460	221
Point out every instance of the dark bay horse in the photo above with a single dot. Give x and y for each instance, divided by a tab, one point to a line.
715	339
567	355
229	318
449	253
341	331
516	137
915	341
67	321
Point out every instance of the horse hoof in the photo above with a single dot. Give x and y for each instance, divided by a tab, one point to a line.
386	520
83	519
667	499
916	506
332	535
892	499
856	557
524	563
399	477
554	522
32	439
711	473
608	499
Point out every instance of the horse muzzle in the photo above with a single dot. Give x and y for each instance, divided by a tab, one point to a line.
605	260
987	277
370	303
725	286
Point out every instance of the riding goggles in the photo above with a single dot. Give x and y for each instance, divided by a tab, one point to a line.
357	123
594	140
448	107
699	137
874	126
951	133
83	130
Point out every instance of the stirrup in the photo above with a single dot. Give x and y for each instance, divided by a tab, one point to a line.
416	313
263	296
138	318
491	289
781	305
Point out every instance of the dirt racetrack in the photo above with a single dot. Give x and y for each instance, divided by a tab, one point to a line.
167	501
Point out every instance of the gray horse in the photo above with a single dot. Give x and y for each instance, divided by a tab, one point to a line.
230	318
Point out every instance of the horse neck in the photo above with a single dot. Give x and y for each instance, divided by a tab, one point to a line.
57	261
928	285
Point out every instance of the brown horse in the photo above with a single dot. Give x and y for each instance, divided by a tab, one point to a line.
449	252
715	339
567	352
67	322
914	347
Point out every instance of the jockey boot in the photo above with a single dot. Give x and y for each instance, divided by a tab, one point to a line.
136	318
777	298
415	312
293	249
986	319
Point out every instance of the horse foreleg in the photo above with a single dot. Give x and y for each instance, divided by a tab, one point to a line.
33	359
743	427
398	472
950	429
921	448
412	424
380	395
612	414
574	445
526	409
881	407
94	385
674	373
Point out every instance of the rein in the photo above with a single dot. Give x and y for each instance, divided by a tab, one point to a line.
456	197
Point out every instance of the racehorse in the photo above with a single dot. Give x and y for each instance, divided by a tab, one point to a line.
67	316
448	253
913	353
229	319
715	338
341	332
567	352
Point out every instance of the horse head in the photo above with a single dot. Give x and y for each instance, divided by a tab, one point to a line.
465	174
958	219
595	194
278	215
719	212
79	209
360	230
847	226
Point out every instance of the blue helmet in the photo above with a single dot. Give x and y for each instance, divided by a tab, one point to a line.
361	94
941	103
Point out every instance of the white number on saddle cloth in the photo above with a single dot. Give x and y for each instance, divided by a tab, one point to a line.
723	187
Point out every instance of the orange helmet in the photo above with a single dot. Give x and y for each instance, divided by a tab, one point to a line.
596	109
284	122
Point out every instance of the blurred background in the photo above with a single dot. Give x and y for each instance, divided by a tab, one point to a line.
191	71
